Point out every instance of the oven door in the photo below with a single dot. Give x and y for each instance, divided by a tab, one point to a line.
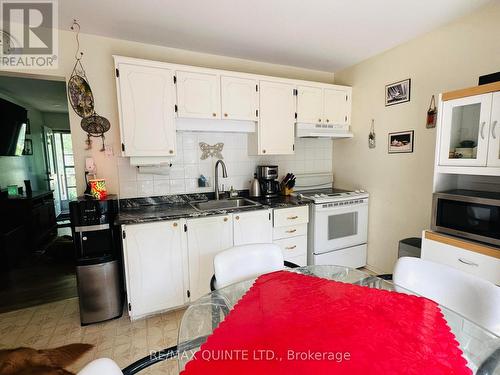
339	226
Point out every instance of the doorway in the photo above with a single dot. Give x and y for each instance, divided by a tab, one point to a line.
36	185
60	167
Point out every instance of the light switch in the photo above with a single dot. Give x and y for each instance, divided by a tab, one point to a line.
90	165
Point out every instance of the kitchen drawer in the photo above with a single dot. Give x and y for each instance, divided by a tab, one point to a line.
293	247
291	231
300	260
284	217
484	266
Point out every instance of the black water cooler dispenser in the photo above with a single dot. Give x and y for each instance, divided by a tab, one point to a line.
98	259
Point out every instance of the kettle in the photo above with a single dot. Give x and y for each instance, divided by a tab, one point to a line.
255	187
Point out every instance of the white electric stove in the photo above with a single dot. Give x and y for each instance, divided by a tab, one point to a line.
338	226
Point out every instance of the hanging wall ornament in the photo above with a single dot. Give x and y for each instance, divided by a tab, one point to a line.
371	136
211	151
431	114
82	100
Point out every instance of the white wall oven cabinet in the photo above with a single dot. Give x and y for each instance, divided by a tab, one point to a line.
146	108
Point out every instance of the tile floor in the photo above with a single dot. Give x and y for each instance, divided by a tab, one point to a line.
58	323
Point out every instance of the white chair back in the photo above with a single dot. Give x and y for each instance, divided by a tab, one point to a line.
475	298
101	366
245	262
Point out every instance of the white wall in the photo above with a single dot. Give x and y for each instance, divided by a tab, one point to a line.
98	63
449	58
56	120
311	155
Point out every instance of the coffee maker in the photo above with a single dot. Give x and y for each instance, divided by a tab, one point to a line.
269	184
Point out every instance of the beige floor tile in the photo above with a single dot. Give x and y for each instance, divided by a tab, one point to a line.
58	323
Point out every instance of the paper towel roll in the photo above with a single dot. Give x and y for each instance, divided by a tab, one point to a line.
163	169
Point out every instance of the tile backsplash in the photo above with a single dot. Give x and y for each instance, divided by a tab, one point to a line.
311	156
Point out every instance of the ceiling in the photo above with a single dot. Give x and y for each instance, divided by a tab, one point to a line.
44	95
319	34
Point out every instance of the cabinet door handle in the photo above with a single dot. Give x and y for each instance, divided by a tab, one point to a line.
237	218
292	217
175	224
468	262
291	247
327	120
493	128
291	231
319	120
214	114
225	219
482	129
225	114
170	151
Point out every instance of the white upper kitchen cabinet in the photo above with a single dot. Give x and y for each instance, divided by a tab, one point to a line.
146	107
465	134
494	140
156	267
239	98
253	227
309	104
205	238
276	127
198	95
336	106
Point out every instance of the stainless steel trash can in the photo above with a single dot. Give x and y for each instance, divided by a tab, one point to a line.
99	289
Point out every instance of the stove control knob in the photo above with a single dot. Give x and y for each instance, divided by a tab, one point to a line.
316	196
362	191
357	191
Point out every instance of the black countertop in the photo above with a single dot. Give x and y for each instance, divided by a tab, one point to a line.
172	207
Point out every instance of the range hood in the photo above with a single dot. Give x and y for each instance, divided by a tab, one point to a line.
322	131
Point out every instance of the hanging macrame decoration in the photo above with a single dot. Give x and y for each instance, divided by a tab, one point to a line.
82	100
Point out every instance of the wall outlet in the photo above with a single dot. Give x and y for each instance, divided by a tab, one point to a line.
90	165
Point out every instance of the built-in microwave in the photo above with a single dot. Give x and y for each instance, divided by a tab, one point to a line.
468	213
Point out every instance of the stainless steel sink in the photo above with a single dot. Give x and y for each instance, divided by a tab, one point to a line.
225	204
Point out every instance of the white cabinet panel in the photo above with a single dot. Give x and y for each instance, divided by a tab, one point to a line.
155	266
252	227
291	231
284	217
239	98
494	143
146	100
276	132
471	262
465	120
309	104
205	238
198	95
336	107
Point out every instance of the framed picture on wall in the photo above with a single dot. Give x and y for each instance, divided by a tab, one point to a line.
398	92
401	142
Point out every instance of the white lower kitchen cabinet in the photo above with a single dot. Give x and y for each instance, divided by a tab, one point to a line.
468	256
205	238
156	267
290	233
252	227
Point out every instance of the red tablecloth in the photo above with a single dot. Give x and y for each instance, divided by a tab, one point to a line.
288	323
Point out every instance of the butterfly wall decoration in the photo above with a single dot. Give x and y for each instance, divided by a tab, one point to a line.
211	151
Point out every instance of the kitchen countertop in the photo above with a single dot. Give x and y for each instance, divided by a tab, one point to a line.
172	207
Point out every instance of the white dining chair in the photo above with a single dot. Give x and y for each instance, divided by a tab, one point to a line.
101	366
475	298
245	262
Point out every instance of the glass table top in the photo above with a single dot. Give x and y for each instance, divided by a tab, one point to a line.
205	314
